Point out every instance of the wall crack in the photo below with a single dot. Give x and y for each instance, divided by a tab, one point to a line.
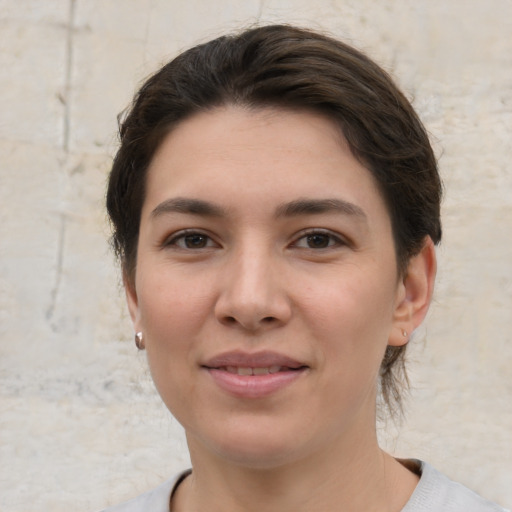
66	98
58	270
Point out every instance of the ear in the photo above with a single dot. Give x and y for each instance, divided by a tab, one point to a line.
132	301
414	294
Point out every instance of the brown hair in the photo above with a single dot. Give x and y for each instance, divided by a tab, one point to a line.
284	66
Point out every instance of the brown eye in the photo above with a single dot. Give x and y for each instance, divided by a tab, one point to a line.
191	240
195	241
318	241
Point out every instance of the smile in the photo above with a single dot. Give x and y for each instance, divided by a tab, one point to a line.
252	376
256	371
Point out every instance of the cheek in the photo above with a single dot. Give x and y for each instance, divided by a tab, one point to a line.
171	304
350	319
349	338
169	352
172	316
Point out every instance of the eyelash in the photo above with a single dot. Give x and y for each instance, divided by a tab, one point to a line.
182	236
332	240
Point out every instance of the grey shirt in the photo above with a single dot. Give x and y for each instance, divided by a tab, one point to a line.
434	493
437	493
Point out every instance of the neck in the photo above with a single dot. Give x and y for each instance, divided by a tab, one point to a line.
363	477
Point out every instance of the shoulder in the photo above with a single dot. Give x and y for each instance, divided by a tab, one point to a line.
156	500
437	492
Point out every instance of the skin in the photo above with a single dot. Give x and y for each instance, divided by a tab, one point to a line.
245	276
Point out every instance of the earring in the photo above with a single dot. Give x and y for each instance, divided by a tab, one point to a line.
139	341
404	333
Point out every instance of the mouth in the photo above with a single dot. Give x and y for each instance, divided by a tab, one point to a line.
253	375
240	370
237	360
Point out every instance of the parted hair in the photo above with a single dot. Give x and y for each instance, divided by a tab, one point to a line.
282	66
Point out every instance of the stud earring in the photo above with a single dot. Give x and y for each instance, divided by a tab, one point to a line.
139	341
404	333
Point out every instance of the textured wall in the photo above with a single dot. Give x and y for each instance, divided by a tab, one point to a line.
80	425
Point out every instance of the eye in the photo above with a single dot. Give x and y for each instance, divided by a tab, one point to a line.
190	240
318	240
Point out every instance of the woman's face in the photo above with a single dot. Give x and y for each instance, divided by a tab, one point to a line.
266	285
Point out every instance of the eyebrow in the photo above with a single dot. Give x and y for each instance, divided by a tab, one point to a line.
292	209
188	206
319	206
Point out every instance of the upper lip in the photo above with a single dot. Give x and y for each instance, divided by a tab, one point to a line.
242	359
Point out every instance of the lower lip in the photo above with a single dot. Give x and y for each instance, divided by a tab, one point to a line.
254	386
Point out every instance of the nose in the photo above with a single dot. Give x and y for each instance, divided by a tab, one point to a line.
253	294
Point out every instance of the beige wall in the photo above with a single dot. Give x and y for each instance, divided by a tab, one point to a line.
80	425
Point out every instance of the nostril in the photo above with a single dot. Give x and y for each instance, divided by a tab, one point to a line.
231	320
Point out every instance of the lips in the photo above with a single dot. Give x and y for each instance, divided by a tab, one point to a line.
256	375
241	370
267	359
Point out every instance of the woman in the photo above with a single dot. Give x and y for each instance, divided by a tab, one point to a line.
275	205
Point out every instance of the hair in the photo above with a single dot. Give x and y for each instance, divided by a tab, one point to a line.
280	66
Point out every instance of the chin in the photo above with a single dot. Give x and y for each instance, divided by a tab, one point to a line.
252	448
258	457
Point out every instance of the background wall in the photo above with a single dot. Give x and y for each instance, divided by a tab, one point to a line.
80	423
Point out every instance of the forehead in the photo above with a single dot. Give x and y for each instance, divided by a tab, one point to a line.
261	157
